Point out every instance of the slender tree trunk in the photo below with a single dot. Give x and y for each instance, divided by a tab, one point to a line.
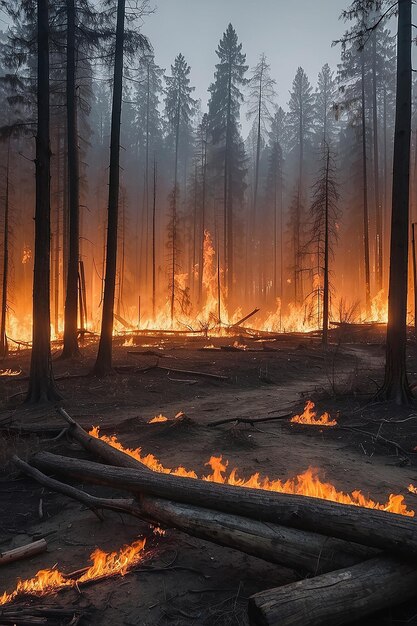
413	242
396	385
228	234
41	381
4	348
57	232
378	242
154	241
174	209
203	214
71	299
326	257
103	363
365	192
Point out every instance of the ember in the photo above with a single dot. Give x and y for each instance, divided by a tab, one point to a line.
105	564
309	418
307	484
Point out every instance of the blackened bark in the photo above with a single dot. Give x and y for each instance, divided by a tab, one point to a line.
41	382
71	299
103	363
396	385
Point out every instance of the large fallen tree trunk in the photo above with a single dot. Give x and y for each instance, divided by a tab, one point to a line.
296	549
388	531
338	597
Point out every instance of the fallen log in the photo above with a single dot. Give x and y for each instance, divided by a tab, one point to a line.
23	552
98	447
295	549
387	531
338	597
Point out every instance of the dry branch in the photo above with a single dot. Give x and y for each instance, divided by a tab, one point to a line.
380	529
338	597
192	373
23	552
249	420
92	502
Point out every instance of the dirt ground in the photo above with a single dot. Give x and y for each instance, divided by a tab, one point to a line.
186	580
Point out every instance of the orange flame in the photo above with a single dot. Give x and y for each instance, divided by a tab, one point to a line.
105	564
309	417
306	484
158	418
412	489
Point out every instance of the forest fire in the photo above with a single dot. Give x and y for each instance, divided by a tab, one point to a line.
307	483
104	565
309	417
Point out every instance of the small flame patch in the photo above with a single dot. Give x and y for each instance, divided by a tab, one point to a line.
104	564
309	417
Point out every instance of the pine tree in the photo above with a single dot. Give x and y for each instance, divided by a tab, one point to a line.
300	122
324	216
325	97
179	110
227	156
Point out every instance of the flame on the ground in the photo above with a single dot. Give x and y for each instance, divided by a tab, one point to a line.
157	419
306	484
10	372
412	489
104	564
309	417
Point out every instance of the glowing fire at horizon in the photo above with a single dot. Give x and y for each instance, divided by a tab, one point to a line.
212	306
309	417
104	565
307	483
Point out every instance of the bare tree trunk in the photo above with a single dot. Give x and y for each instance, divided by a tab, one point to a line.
153	241
365	192
326	257
378	242
396	385
71	298
103	363
4	348
57	232
41	381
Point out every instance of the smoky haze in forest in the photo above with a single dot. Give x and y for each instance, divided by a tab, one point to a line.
240	163
290	34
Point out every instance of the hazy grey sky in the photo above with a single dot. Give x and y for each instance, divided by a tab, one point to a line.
291	33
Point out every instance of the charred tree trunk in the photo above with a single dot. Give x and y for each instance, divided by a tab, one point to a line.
4	348
365	192
395	386
103	363
41	381
71	297
378	241
326	291
154	241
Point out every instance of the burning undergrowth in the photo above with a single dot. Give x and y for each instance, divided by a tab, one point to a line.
103	565
307	483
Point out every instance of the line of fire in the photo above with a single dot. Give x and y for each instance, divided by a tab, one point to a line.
208	313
